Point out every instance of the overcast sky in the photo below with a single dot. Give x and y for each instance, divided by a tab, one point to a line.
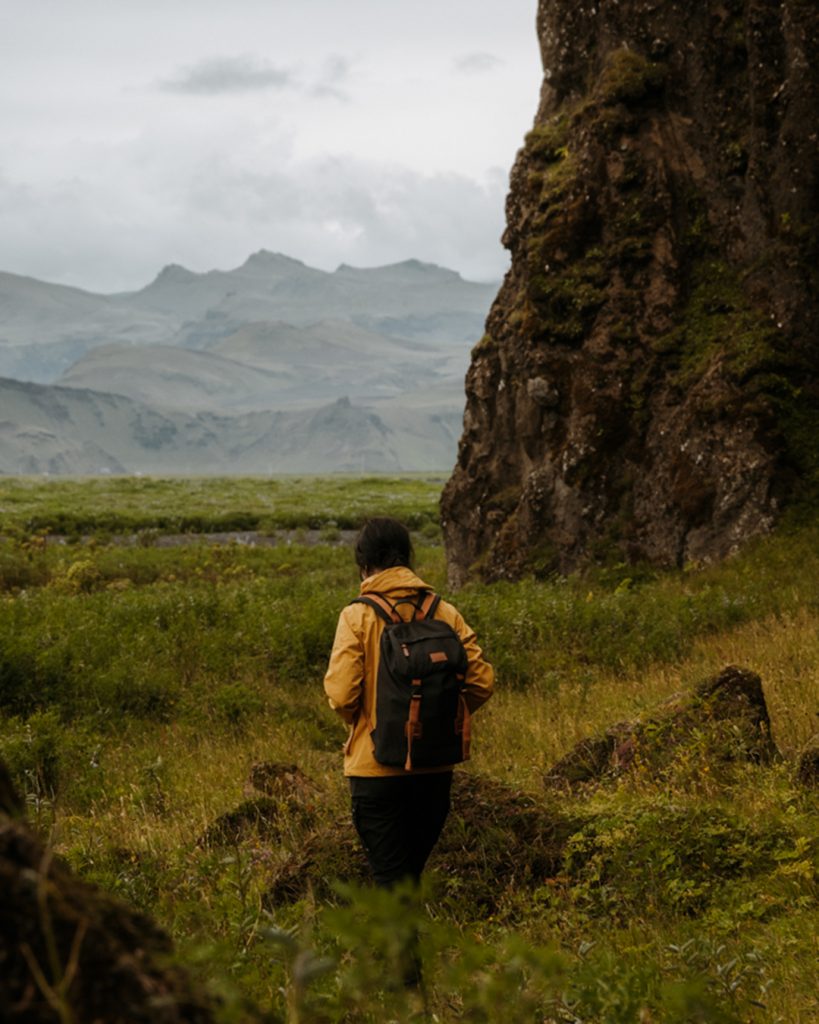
138	133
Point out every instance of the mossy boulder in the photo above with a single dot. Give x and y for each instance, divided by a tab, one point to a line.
287	807
284	781
724	720
261	816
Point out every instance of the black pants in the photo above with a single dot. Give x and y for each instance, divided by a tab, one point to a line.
399	819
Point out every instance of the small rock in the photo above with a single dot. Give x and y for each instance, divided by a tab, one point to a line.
281	780
807	770
543	392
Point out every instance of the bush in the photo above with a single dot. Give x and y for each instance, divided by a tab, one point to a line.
666	859
235	703
47	760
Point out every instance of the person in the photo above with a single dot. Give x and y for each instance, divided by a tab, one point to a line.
398	813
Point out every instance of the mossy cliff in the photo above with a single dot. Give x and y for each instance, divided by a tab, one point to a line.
648	385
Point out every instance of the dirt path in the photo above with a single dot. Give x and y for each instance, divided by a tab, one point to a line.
246	538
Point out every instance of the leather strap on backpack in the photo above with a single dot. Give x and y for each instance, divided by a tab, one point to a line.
463	725
413	728
381	605
425	604
428	605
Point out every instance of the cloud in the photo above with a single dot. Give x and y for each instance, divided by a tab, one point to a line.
216	76
333	210
477	63
334	75
212	206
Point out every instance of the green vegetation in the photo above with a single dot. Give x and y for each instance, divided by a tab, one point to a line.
139	683
570	265
718	322
628	77
211	504
547	141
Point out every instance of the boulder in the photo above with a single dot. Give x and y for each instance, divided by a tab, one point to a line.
724	720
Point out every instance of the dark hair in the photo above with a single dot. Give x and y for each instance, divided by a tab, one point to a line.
383	543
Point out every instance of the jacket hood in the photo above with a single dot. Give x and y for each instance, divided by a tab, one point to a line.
397	581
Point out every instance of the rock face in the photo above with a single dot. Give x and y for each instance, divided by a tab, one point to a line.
647	386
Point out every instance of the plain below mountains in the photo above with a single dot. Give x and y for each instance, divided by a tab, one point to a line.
272	367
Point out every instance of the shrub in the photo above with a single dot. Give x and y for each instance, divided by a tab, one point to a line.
78	577
235	703
666	859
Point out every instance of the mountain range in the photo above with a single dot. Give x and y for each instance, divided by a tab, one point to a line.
272	367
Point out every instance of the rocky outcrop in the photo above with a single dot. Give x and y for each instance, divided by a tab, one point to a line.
723	721
647	385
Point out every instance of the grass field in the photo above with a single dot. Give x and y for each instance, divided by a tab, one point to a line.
121	505
138	684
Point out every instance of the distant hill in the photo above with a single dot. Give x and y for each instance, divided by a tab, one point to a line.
211	355
275	365
269	286
47	429
44	328
176	378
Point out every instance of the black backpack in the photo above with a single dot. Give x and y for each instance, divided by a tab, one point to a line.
422	717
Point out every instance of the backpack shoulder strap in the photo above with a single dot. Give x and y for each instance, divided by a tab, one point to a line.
428	604
381	605
425	605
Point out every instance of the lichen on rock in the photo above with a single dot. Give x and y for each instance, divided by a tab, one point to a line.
647	386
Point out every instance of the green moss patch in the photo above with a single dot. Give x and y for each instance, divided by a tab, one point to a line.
628	77
718	322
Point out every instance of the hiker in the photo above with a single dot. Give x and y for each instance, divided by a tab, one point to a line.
399	807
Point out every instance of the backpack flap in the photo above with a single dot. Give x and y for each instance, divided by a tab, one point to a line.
419	700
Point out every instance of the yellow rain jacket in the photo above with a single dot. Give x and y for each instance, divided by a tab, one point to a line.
351	676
